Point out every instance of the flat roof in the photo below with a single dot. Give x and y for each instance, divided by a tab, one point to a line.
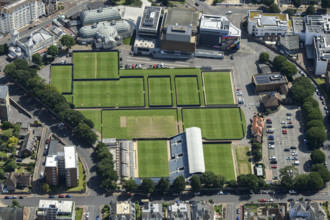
269	78
291	42
298	24
195	150
51	161
123	208
70	157
218	23
150	18
258	13
182	17
62	206
3	92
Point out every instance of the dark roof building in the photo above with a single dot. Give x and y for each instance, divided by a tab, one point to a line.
268	82
182	17
202	211
28	144
15	180
289	44
11	213
272	100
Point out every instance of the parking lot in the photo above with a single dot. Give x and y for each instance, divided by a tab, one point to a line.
286	140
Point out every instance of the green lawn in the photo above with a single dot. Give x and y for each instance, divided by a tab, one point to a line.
242	158
160	91
216	123
166	72
68	98
187	90
128	124
218	159
123	93
153	159
81	180
84	65
107	65
61	78
218	88
79	213
95	116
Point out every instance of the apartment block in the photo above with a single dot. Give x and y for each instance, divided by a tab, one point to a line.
71	166
56	210
51	170
20	13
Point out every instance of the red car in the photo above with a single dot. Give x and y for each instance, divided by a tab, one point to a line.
48	26
61	196
274	166
263	200
133	66
47	141
268	119
284	131
154	66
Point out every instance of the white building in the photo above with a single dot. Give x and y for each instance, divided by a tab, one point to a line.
260	24
321	49
195	150
56	210
306	210
71	166
20	13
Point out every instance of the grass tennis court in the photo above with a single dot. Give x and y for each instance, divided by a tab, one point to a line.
160	91
95	116
68	98
153	159
187	90
219	159
128	124
216	123
95	65
124	92
242	158
61	77
218	88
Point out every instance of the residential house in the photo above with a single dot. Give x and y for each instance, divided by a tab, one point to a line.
28	145
123	210
15	180
25	127
202	211
178	211
272	100
258	125
307	210
152	211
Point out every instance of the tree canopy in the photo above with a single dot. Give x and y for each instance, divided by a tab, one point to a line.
325	3
323	171
163	185
67	41
273	8
52	51
147	186
317	156
310	10
130	185
316	136
297	3
37	59
263	57
301	89
278	61
289	69
195	183
179	184
249	181
315	181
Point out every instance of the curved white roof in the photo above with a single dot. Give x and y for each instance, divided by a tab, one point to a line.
195	150
99	15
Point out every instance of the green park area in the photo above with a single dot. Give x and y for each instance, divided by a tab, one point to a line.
153	159
187	91
160	93
61	77
218	159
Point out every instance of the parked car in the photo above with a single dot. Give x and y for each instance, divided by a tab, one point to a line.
61	196
283	122
293	147
263	200
68	196
288	114
273	161
272	158
196	4
290	200
7	197
51	196
274	166
14	197
270	200
292	192
284	131
290	126
21	197
286	149
290	122
271	146
238	211
220	193
47	141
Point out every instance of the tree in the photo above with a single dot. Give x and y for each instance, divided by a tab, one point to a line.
219	181
273	8
147	186
84	132
165	2
301	182
208	179
2	174
314	114
301	89
10	165
37	59
310	10
290	12
315	181
130	185
12	142
14	203
179	184
21	64
263	57
316	136
268	2
315	123
249	181
287	181
317	156
52	51
324	172
278	61
289	69
325	3
195	183
6	125
45	188
163	185
67	41
297	3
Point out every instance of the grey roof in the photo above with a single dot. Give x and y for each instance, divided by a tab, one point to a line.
104	29
152	211
3	92
298	24
183	17
290	42
268	20
11	213
269	78
28	142
99	15
202	211
150	18
53	147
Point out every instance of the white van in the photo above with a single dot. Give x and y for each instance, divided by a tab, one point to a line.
296	162
228	12
270	130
